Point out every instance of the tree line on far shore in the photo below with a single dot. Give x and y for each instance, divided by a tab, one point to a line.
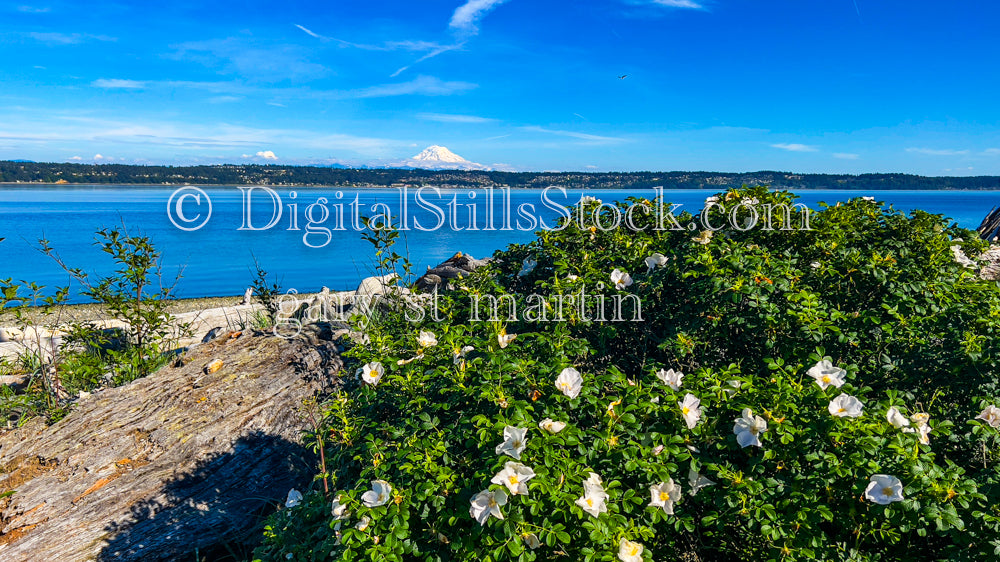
253	174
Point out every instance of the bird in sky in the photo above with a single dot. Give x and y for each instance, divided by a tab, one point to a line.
622	77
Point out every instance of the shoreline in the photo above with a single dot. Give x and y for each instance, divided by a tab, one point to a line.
454	187
89	312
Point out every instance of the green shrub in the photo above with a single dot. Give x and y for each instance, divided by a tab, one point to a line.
886	461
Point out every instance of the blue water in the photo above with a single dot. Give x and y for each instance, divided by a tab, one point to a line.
216	258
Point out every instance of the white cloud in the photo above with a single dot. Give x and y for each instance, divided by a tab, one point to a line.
98	157
267	155
33	10
116	83
62	131
468	15
224	99
846	155
432	54
75	158
67	38
241	56
451	118
309	31
992	151
421	85
677	4
573	134
937	152
795	147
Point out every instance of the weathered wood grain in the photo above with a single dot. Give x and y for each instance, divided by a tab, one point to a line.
183	460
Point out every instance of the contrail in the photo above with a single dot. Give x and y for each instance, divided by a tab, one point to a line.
857	9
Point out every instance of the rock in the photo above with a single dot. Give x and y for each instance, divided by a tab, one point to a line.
429	282
16	383
213	366
990	264
370	291
459	265
157	469
212	334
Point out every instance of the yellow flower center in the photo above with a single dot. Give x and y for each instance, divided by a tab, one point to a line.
886	491
634	551
516	444
590	502
513	479
664	496
826	378
493	502
686	410
841	410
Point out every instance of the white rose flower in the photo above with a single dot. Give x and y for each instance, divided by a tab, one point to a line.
827	374
654	261
620	279
697	481
845	406
486	503
923	429
427	339
734	385
363	523
572	277
459	353
527	267
380	494
670	378
629	551
991	415
504	339
515	477
551	426
748	429
884	489
338	510
531	539
815	265
569	382
691	410
594	496
294	498
664	495
372	372
514	442
704	237
897	419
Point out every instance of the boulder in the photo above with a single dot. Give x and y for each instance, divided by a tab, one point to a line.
454	267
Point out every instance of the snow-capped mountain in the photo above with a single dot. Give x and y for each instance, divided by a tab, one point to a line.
440	158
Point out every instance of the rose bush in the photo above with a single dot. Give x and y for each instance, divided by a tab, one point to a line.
788	395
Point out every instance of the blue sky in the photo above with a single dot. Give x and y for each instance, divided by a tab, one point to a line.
729	85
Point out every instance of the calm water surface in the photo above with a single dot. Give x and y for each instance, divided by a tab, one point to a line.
216	258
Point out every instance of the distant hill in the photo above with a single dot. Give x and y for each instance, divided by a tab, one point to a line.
244	174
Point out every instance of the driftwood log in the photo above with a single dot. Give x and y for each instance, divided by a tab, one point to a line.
181	465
